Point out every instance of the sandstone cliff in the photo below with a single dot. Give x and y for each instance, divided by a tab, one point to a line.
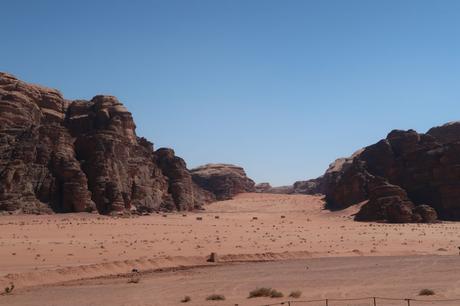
423	170
222	180
72	156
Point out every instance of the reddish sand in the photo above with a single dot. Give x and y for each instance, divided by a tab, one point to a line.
41	250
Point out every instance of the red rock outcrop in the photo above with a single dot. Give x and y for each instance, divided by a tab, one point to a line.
425	166
73	156
222	180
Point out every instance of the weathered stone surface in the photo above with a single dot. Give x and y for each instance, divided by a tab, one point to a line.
262	187
425	214
449	132
72	156
223	180
425	166
386	202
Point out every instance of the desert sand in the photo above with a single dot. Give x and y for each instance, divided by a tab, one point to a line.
284	241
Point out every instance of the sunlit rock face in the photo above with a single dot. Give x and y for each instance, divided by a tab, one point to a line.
73	156
223	180
426	167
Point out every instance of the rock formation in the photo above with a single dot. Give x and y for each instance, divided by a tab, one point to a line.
312	186
222	180
72	156
263	188
415	175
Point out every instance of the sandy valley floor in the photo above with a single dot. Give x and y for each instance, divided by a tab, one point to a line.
344	258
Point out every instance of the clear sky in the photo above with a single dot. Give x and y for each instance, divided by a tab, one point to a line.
281	88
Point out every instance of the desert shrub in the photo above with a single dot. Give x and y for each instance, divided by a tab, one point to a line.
295	294
260	292
265	292
186	299
276	294
426	292
215	297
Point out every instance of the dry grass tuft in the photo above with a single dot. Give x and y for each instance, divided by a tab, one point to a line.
216	297
295	294
265	292
426	292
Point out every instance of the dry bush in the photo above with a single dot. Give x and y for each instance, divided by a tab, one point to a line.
265	292
295	294
276	294
215	297
426	292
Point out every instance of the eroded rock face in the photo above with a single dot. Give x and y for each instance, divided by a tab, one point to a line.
300	187
222	180
262	187
73	156
425	166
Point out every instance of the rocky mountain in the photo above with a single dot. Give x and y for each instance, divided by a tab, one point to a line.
58	155
407	177
222	180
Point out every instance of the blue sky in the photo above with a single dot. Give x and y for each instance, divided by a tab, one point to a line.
281	88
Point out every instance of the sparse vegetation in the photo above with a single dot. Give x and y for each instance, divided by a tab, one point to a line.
265	292
215	297
186	299
426	292
276	294
260	292
295	294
